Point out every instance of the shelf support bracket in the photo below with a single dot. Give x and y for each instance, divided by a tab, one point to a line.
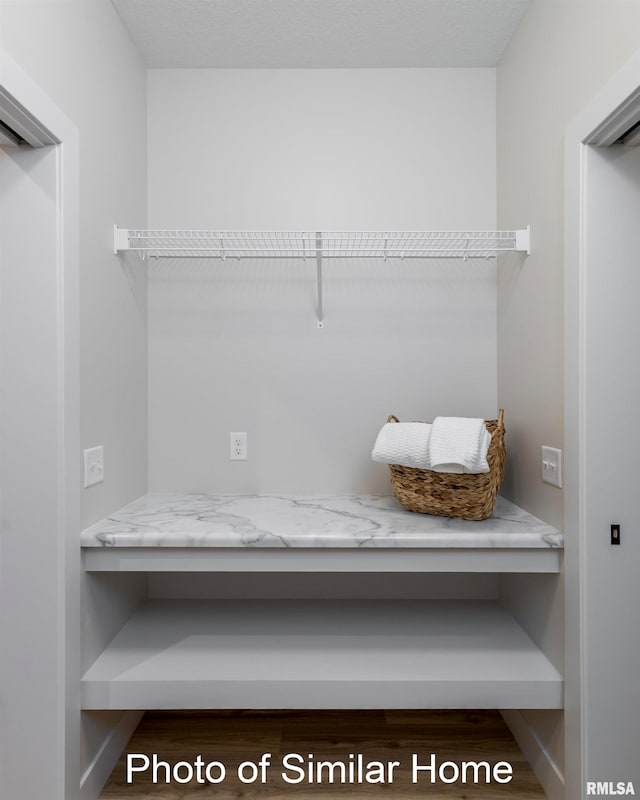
523	240
120	239
319	309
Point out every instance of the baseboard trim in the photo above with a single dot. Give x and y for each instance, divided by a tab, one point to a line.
545	768
102	764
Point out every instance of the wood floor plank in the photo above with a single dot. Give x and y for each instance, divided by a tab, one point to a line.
236	736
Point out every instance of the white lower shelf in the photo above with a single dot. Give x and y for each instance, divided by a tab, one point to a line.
321	654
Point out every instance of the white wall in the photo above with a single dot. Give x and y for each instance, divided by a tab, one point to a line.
81	59
235	346
561	54
79	54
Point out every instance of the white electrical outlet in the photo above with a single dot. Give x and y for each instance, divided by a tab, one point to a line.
552	466
93	466
238	446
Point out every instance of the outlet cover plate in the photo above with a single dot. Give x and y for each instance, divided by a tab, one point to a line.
552	466
93	466
238	446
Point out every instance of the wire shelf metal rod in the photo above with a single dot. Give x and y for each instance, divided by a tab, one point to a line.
329	244
162	243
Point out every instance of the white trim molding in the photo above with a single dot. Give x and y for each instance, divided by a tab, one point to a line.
606	118
40	123
545	768
97	773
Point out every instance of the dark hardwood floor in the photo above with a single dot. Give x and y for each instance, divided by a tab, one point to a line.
233	737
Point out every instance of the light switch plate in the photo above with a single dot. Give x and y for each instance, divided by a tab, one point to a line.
552	466
93	466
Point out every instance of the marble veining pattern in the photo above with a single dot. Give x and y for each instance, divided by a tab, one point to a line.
351	521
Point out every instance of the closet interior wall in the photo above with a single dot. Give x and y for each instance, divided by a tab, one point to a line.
543	81
49	40
81	58
234	345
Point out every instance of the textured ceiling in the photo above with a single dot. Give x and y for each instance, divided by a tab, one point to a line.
321	33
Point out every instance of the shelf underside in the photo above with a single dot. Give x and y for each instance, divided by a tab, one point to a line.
321	654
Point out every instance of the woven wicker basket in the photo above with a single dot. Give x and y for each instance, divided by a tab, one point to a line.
451	495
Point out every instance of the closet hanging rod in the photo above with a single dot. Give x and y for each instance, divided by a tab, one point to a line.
321	244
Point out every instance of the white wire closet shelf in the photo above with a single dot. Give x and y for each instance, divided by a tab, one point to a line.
320	244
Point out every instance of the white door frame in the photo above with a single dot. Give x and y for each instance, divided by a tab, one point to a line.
64	513
608	115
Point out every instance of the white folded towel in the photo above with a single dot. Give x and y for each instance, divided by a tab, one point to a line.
403	443
459	444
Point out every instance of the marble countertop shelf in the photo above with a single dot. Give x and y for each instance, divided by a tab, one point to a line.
347	533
